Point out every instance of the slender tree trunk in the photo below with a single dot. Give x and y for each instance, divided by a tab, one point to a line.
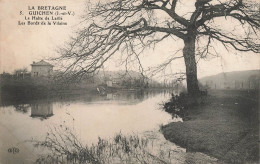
191	66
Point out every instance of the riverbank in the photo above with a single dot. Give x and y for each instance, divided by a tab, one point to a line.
225	127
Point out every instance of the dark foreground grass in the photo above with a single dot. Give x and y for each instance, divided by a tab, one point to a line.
62	145
226	127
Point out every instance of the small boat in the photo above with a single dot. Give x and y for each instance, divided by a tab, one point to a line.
101	90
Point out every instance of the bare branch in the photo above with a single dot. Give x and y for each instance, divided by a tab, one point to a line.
132	26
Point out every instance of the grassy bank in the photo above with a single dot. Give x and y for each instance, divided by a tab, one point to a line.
226	127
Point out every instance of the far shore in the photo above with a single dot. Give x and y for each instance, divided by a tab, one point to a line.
20	94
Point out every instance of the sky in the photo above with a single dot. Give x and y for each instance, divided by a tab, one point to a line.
21	45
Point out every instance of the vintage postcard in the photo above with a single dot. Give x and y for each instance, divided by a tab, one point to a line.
129	81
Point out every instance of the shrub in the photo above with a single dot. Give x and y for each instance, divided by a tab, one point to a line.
176	103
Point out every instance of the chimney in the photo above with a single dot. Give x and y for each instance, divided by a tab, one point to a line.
33	62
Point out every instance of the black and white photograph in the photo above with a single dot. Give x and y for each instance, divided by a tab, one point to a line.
129	81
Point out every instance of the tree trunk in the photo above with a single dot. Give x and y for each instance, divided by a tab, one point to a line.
191	66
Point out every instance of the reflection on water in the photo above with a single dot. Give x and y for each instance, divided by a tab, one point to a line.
22	108
92	116
130	97
42	110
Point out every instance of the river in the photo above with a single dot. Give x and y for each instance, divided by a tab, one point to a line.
90	117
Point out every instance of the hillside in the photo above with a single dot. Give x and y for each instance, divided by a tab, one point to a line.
233	80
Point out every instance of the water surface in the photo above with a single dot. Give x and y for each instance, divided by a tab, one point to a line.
90	117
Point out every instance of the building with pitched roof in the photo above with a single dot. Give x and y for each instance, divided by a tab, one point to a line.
41	68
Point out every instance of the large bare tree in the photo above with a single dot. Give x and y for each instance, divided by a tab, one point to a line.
131	26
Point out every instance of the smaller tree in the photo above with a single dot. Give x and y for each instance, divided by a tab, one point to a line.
20	72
